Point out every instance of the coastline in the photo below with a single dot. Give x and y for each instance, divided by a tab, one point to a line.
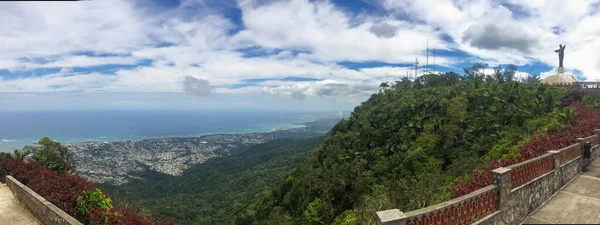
172	155
9	145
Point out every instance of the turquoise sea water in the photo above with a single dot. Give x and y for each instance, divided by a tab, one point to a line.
18	129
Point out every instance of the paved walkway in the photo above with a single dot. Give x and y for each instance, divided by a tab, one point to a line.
577	203
11	212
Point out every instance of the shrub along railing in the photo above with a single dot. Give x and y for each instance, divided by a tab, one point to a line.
516	191
590	139
62	190
43	210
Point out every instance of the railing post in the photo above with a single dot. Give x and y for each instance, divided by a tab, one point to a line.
502	179
556	160
585	162
580	141
595	154
556	166
391	217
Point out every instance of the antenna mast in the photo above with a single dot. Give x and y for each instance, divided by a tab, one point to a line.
427	59
434	60
416	66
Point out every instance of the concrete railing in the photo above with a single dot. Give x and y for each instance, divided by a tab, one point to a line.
464	209
569	153
43	210
527	170
517	190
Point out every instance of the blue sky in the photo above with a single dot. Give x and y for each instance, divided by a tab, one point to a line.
304	55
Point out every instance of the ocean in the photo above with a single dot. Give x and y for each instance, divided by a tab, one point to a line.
18	129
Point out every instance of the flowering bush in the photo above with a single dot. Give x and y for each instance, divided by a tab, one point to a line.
584	123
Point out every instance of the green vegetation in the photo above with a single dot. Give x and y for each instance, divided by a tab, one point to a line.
92	200
214	191
591	100
54	181
49	154
405	146
4	155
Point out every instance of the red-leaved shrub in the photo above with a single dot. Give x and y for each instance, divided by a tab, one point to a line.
584	123
63	189
123	215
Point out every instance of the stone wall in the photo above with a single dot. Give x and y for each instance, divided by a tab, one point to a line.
526	198
44	211
535	182
569	171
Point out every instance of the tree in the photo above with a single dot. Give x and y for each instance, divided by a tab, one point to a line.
476	70
315	212
23	153
405	147
532	79
3	156
498	74
509	73
53	155
384	85
404	83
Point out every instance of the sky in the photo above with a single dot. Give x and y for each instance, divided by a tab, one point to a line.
296	55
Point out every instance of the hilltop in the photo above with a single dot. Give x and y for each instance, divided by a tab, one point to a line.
406	146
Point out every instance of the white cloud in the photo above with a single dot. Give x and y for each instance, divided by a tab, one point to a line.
541	16
74	61
302	38
326	88
325	31
492	35
56	82
196	87
38	29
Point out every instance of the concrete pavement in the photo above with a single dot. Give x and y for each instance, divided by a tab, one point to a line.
577	203
11	212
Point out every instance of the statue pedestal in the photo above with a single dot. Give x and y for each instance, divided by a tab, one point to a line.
561	70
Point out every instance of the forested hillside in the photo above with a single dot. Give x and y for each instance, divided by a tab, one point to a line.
406	146
215	191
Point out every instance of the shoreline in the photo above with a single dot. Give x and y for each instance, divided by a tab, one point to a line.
173	155
5	145
205	135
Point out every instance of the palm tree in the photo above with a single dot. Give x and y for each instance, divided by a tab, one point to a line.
384	85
